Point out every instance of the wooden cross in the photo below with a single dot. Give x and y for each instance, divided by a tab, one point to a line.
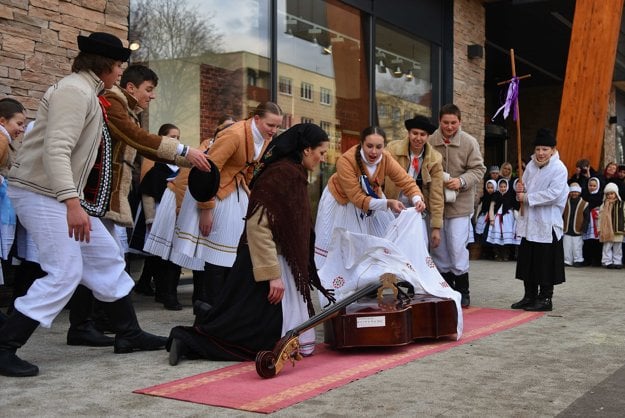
518	118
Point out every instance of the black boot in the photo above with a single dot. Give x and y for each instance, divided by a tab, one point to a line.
129	336
529	298
215	280
144	284
450	279
200	292
172	278
543	302
177	349
3	318
16	331
25	274
462	286
82	330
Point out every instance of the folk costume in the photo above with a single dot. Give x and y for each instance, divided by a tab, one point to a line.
482	219
540	261
461	159
576	220
503	219
67	155
353	198
277	242
592	246
8	220
611	228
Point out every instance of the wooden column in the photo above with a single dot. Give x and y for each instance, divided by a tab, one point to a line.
589	70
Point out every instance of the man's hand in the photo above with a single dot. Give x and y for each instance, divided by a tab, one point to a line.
198	159
78	222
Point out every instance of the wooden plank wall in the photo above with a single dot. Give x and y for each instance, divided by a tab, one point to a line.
589	71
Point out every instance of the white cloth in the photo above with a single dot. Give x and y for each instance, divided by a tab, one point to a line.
159	240
612	253
547	192
356	260
294	309
220	246
98	264
452	255
331	215
573	249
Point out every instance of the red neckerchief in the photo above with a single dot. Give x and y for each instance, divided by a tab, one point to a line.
104	104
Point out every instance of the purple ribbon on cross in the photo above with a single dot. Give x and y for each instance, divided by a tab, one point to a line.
511	100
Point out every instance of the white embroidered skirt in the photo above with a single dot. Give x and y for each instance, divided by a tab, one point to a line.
220	246
331	215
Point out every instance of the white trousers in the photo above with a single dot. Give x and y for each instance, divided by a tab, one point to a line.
99	264
452	255
612	253
573	249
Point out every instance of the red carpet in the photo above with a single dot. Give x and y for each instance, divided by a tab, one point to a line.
239	386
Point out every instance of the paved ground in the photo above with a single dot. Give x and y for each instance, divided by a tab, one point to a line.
570	362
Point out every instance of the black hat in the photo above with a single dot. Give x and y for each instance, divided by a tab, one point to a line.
103	44
203	185
545	137
420	122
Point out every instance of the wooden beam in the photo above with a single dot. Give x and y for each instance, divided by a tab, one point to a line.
589	71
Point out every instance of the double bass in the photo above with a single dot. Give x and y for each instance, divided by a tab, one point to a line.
361	320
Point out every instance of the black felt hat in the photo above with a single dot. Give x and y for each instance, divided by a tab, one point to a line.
420	122
203	185
545	137
105	45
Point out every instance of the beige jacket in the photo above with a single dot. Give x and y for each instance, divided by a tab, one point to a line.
431	173
461	158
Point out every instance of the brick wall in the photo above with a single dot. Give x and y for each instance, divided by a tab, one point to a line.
469	28
221	93
38	41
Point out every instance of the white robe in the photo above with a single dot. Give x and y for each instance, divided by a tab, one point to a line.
355	260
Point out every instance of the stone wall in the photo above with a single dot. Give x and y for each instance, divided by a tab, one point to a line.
38	41
469	29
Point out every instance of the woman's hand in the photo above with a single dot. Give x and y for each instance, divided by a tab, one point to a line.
395	205
276	290
198	159
435	238
78	221
420	206
206	221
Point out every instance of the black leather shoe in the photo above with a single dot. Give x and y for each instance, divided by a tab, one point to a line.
177	350
578	264
144	341
13	366
523	303
465	300
143	288
88	335
541	305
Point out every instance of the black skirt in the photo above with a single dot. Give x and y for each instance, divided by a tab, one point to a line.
541	263
241	324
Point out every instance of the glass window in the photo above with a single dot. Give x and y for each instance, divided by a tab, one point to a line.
320	44
325	96
307	120
306	91
285	86
402	79
211	59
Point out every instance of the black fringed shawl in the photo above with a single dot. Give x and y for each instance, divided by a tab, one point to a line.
281	193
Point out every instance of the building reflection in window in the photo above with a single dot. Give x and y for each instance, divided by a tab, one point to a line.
402	79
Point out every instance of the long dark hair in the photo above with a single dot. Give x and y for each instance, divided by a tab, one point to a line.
291	145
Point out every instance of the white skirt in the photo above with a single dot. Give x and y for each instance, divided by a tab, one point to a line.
480	224
220	246
503	231
159	240
294	309
331	215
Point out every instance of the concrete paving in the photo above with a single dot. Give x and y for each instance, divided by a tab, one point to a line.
569	362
